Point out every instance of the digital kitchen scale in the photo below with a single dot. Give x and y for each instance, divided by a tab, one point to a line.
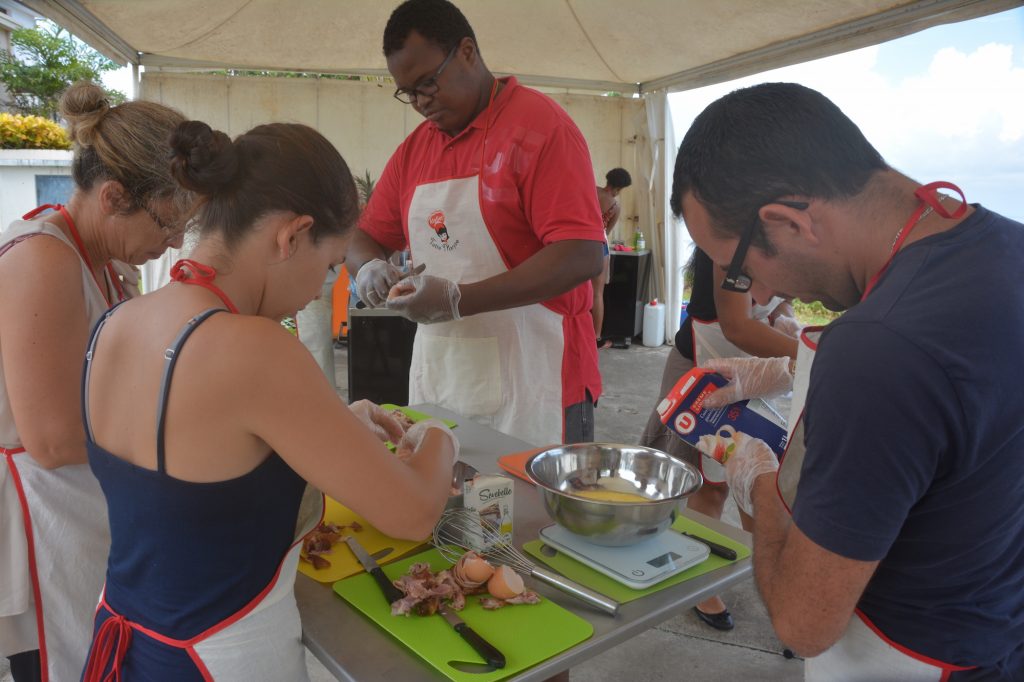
638	566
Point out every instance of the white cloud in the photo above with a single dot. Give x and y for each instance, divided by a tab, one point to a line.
962	119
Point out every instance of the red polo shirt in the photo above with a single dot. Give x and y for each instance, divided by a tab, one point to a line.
537	188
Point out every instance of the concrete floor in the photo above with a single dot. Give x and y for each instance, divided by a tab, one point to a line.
681	648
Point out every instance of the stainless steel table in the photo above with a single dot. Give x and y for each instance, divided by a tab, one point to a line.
354	648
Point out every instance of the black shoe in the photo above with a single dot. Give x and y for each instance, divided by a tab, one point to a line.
719	621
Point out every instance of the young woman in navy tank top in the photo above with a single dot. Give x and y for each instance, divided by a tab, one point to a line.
205	419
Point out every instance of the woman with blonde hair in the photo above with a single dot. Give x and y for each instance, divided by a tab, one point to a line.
57	277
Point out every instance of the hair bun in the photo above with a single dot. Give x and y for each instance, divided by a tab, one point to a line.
203	160
83	105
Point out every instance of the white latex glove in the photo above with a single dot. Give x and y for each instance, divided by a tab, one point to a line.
413	439
377	419
426	299
751	459
374	280
749	378
788	326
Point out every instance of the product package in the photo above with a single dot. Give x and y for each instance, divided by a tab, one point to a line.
491	495
711	429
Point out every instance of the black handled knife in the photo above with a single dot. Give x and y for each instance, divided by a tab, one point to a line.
494	658
716	549
391	593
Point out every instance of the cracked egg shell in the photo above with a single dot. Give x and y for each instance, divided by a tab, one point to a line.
505	583
475	568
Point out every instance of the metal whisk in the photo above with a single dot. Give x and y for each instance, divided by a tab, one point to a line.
461	530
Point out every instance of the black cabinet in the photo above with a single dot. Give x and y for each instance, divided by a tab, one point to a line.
379	355
625	295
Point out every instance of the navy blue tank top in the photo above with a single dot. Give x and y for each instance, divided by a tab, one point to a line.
183	555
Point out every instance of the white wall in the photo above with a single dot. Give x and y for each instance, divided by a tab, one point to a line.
366	123
18	171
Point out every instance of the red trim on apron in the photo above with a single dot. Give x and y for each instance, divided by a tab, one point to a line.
80	245
101	649
948	667
30	542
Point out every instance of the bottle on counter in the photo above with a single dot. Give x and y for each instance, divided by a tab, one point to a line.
640	243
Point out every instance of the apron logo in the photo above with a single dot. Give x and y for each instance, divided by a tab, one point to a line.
436	221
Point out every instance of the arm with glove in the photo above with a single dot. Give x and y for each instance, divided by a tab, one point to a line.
553	270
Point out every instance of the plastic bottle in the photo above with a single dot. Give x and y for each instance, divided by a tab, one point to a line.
654	324
641	243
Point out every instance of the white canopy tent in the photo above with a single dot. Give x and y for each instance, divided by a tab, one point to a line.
646	48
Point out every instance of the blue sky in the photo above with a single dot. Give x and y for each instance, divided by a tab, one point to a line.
943	104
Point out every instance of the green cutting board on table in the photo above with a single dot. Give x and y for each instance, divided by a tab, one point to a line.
587	576
525	634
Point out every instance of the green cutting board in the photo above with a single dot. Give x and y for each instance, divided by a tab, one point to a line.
525	634
585	575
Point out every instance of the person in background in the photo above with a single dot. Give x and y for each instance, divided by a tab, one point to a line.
889	545
204	464
58	275
719	324
493	194
616	180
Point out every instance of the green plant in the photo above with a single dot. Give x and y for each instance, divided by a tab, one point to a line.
43	62
31	132
365	184
813	313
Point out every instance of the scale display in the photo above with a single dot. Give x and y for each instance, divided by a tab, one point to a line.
638	566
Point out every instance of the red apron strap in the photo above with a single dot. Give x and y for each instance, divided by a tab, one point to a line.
109	648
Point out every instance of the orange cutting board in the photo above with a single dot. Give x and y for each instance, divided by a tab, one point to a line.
516	463
343	562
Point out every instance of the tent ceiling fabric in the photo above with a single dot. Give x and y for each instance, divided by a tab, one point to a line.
629	46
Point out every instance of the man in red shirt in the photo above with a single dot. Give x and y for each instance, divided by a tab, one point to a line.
493	194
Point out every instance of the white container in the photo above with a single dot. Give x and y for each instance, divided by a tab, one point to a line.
654	324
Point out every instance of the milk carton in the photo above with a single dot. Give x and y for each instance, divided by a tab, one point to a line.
684	413
491	496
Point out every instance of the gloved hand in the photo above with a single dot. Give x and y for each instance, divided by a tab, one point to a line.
749	378
426	299
413	439
377	419
374	280
788	326
751	459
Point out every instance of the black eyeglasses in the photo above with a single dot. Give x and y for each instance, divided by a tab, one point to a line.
427	88
735	279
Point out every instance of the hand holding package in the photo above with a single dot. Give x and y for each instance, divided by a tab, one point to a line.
750	459
749	378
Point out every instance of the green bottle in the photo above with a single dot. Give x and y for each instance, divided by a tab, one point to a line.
639	243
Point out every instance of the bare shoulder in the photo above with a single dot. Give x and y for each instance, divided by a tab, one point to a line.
40	269
253	349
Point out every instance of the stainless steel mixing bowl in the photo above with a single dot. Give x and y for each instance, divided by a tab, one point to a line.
565	471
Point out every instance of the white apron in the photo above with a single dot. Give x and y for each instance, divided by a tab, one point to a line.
261	641
501	368
709	343
54	532
862	654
